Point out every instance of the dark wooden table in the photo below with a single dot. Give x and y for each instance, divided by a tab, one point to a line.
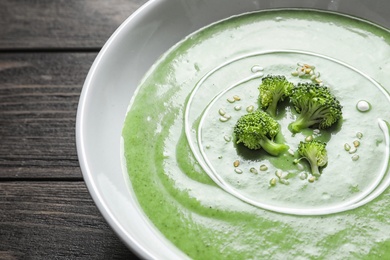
46	50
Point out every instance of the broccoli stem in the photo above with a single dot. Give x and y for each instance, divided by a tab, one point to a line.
273	106
312	158
314	169
302	122
273	148
271	110
308	118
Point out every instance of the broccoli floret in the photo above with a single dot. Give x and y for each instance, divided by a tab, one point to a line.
272	90
315	105
315	153
257	130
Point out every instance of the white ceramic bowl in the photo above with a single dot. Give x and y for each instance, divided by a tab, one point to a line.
113	78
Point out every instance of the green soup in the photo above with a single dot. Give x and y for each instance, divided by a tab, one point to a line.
211	197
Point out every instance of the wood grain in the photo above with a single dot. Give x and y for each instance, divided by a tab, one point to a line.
61	23
46	50
39	94
54	220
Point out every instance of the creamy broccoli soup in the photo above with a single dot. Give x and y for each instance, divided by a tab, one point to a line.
217	199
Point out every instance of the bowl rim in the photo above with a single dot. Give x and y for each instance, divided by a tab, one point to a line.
84	162
86	171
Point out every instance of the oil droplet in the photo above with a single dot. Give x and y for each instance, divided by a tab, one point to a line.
326	196
363	106
257	68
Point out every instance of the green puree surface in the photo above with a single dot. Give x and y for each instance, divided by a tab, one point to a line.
194	79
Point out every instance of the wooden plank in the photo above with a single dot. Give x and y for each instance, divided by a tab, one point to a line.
61	24
39	94
41	220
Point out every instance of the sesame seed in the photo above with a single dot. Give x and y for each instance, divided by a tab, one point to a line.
263	167
236	98
352	150
309	138
236	163
356	143
279	173
284	181
250	108
303	176
221	112
227	138
300	166
231	100
237	108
